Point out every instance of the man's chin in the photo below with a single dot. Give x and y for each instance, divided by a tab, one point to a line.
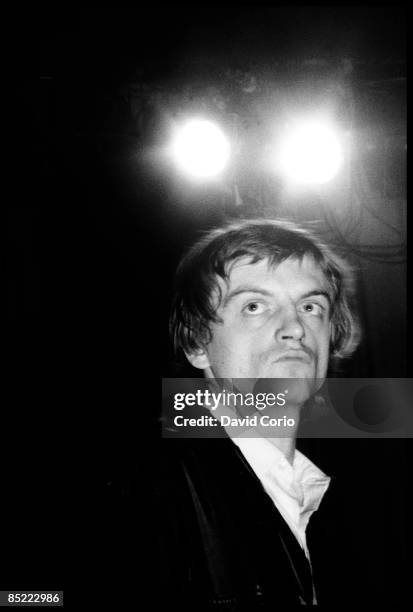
298	379
292	369
295	390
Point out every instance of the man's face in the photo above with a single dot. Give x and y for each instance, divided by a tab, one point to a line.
275	322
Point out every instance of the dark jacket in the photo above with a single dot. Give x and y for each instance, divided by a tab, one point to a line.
221	543
186	523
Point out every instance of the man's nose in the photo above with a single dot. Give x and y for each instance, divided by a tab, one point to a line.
290	327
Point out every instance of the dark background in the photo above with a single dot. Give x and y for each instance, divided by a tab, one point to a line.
96	231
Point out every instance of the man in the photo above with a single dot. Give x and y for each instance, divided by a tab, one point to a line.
257	299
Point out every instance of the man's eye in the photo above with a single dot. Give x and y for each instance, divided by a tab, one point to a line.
254	308
312	308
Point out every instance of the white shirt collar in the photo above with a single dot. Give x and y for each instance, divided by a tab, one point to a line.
296	490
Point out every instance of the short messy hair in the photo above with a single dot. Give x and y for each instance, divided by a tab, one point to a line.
194	305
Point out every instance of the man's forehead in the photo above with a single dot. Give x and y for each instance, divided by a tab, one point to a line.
305	268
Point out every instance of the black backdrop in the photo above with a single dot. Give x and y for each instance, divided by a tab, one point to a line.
94	240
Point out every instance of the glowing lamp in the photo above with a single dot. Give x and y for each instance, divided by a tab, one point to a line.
311	153
200	149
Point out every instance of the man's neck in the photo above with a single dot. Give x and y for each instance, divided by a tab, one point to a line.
286	446
287	443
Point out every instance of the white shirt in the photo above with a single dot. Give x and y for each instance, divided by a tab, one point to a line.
296	490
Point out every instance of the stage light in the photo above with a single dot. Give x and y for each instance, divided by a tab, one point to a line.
200	149
311	153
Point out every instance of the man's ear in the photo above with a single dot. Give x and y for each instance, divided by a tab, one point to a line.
198	358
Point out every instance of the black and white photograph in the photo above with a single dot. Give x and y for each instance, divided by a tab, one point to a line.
209	398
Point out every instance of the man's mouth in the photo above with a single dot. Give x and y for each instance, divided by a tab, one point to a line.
295	356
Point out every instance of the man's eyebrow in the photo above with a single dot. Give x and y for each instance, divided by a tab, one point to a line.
315	292
245	289
251	289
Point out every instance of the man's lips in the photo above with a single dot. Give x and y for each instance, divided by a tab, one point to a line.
295	356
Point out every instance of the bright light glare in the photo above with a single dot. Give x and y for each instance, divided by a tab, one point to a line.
200	149
311	153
